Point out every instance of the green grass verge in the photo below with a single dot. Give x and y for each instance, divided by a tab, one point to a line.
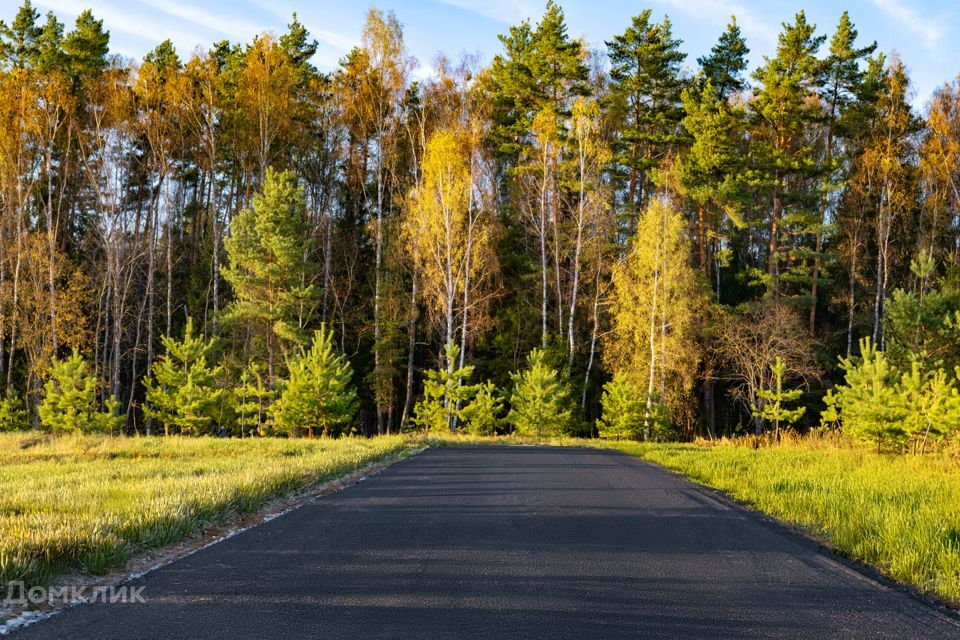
91	503
900	514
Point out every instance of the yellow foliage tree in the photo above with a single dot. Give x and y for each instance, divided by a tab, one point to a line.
654	308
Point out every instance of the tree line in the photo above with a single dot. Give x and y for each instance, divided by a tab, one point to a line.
637	245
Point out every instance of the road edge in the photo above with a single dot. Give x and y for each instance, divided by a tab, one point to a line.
150	561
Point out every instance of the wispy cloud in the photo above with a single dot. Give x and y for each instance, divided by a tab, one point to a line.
505	11
197	16
124	21
931	31
338	41
719	12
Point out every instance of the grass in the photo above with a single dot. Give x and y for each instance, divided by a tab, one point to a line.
91	503
900	514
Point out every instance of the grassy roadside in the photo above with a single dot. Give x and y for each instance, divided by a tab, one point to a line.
91	503
900	514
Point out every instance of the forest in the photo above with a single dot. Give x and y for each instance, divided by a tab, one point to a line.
619	241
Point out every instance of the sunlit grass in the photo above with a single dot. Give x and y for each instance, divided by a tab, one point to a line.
91	503
900	514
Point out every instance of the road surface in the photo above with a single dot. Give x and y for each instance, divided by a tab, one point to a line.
510	542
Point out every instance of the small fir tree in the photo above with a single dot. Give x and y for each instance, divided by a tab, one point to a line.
319	393
69	402
538	400
623	409
182	392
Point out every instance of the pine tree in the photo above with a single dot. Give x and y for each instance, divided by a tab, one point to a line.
782	152
268	266
931	405
482	417
842	82
775	398
50	55
13	413
541	69
319	394
711	170
444	393
18	40
253	401
868	402
646	84
87	46
623	409
727	61
539	400
69	402
182	393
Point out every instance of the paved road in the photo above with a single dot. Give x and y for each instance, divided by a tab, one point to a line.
509	542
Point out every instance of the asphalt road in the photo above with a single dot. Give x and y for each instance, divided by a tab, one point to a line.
510	542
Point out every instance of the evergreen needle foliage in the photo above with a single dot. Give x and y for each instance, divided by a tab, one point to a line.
539	404
182	393
445	393
319	394
70	403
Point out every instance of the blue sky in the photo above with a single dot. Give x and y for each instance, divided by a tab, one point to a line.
925	33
